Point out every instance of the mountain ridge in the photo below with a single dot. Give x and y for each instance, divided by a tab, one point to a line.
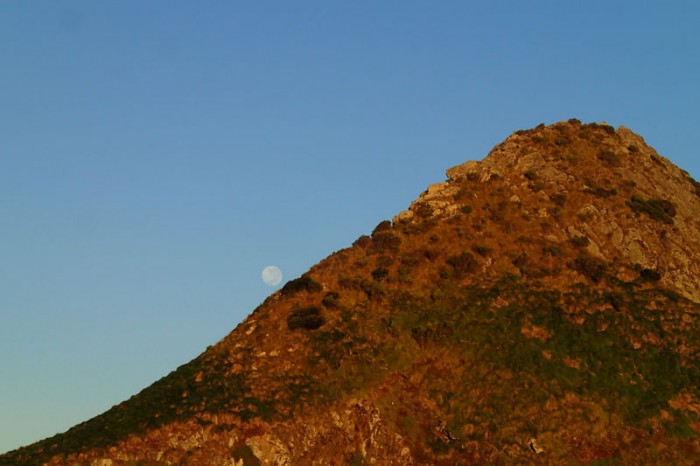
538	307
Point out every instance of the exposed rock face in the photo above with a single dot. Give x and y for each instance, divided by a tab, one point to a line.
618	163
539	307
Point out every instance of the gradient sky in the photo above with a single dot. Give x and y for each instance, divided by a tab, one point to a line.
155	156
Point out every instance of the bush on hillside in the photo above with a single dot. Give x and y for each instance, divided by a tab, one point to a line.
463	264
650	275
589	268
658	209
308	318
303	283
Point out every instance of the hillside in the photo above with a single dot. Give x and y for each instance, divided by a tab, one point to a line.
538	307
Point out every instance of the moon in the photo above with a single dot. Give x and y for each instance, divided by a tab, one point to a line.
271	275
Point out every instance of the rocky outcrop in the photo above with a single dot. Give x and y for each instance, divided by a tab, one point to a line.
598	178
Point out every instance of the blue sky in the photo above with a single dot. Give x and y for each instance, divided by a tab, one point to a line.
155	156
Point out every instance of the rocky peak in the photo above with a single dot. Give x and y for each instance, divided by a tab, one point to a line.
605	185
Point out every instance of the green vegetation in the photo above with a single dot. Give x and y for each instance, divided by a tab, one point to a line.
589	268
384	225
558	198
380	274
463	264
331	299
658	209
384	242
308	318
536	186
303	283
595	358
181	395
610	158
363	241
695	185
580	241
650	275
530	175
481	250
601	192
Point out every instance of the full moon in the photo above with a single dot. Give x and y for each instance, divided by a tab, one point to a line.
271	275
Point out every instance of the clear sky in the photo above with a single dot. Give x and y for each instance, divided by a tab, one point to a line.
155	156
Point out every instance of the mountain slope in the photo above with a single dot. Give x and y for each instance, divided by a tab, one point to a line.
539	307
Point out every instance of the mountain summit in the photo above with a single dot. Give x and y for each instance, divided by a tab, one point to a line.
540	306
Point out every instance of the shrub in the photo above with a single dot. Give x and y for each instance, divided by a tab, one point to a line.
363	241
607	128
558	198
658	209
466	209
530	175
536	186
609	157
589	267
602	192
429	253
331	299
521	261
696	186
481	250
380	273
385	261
308	318
580	241
384	225
384	241
303	283
373	290
650	275
463	264
346	283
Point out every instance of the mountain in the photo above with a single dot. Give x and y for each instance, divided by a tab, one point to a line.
538	307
